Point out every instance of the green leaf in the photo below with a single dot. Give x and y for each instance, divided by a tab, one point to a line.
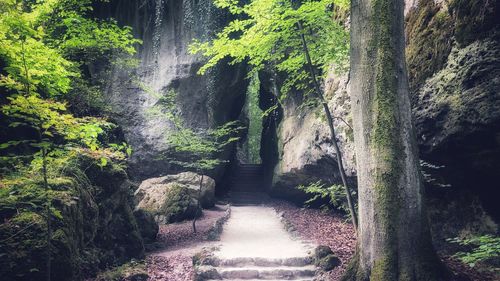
103	162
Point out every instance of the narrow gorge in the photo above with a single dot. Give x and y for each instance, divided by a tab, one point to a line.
181	139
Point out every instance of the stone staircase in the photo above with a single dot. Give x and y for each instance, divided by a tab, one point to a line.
248	186
239	269
255	245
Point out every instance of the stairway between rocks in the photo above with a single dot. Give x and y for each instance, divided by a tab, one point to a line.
248	186
254	243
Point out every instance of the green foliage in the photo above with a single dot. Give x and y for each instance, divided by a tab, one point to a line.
201	148
44	45
481	248
266	32
335	194
22	47
133	270
95	39
254	114
22	190
44	42
37	40
51	121
197	150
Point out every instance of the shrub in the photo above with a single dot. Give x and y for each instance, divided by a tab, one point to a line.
480	249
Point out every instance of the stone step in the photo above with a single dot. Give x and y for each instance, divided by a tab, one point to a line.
267	273
247	189
264	262
260	279
248	198
247	183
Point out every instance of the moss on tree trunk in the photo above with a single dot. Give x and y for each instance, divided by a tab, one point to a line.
394	241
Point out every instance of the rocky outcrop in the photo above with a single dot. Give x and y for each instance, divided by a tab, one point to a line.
147	225
456	103
93	225
306	153
175	197
454	68
165	67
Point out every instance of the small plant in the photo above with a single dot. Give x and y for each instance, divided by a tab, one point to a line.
133	270
193	150
481	249
335	194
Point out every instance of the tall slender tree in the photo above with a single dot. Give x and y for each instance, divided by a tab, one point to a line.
394	241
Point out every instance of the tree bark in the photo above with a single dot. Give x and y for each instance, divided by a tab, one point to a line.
393	237
48	214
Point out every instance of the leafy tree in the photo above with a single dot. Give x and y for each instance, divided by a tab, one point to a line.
196	150
335	194
42	46
296	38
200	150
266	33
54	129
52	38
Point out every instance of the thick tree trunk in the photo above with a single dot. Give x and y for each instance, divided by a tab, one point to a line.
393	237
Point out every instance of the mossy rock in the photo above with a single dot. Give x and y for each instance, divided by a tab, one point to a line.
174	198
475	19
131	271
22	252
429	29
93	226
325	259
147	225
179	205
328	263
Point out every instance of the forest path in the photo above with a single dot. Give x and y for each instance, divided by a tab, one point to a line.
257	231
254	245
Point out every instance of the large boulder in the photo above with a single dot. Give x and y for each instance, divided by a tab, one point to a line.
175	198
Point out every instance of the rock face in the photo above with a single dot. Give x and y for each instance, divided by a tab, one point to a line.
147	225
174	198
304	142
95	227
456	102
167	28
454	67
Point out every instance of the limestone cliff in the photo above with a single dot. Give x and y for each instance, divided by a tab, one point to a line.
453	61
167	27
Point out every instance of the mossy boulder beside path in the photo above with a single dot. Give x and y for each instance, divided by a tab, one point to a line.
93	225
174	198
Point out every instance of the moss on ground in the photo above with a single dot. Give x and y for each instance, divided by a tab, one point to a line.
131	271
